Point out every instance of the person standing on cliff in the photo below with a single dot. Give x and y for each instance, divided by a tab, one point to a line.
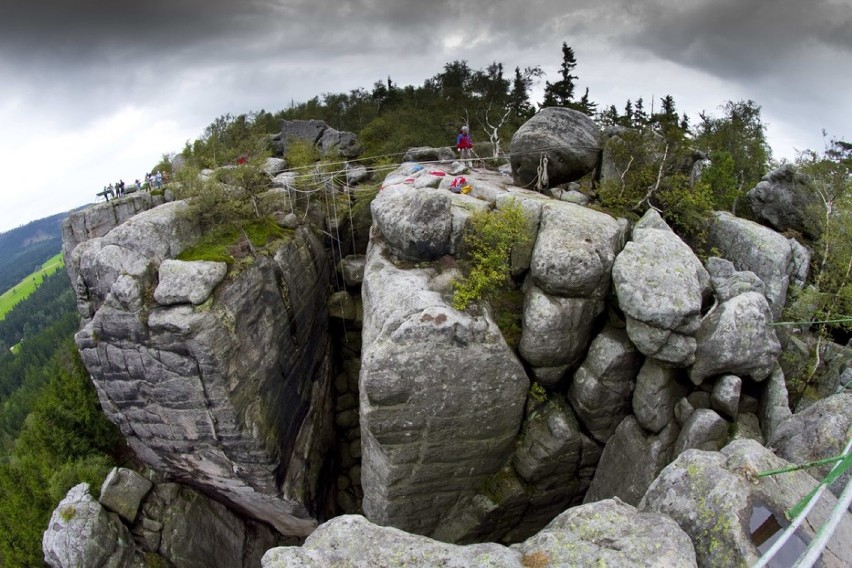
463	143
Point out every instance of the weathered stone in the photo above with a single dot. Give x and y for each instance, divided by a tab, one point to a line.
747	426
631	460
416	225
780	493
774	404
725	398
343	305
609	533
660	285
655	396
785	200
183	282
274	166
556	331
356	174
682	411
122	492
531	204
353	541
711	504
757	249
703	430
232	400
602	387
441	398
728	282
82	533
737	338
575	250
569	139
429	154
820	431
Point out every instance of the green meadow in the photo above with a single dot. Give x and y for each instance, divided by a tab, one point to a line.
28	284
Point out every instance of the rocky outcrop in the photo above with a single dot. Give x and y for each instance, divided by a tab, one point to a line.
572	539
170	524
820	431
568	138
415	224
660	285
82	533
569	274
328	141
441	398
757	249
98	220
785	200
208	376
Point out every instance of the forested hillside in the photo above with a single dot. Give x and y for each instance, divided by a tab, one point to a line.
24	249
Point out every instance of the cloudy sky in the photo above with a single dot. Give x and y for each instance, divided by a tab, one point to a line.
97	90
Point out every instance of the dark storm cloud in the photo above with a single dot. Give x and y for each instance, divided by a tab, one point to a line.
744	39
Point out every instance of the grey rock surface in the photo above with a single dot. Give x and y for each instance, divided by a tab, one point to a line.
351	267
274	166
569	139
602	387
780	493
355	542
820	431
221	396
122	492
737	338
725	397
656	394
660	285
774	407
429	154
82	533
757	249
631	460
785	200
356	174
728	282
556	331
575	250
703	430
609	533
441	398
416	225
185	282
711	504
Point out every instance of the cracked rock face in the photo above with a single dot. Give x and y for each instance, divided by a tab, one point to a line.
660	285
441	398
220	381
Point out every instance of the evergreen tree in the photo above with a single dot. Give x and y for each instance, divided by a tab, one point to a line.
640	117
561	93
585	105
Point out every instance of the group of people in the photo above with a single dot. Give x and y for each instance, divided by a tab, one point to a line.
153	180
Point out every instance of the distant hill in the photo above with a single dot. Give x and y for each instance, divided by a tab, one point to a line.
26	248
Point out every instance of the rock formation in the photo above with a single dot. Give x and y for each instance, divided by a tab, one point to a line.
568	138
639	380
221	380
785	200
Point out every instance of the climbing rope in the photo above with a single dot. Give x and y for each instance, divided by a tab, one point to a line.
542	180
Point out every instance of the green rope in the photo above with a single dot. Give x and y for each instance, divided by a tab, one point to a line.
842	320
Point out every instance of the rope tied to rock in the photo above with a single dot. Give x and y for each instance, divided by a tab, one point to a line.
541	173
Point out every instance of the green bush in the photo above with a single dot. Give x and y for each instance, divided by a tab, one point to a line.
490	238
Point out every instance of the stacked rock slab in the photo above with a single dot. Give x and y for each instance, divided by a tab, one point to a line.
218	380
441	394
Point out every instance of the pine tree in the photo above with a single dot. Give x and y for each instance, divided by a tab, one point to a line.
561	93
640	117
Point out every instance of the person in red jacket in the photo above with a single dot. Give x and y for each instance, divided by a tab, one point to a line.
463	143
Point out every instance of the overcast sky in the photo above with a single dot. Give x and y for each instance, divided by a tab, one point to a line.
97	90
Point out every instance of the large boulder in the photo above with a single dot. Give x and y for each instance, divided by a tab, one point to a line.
715	497
785	200
602	387
631	460
660	285
122	492
753	247
82	533
572	539
820	431
568	138
736	338
328	141
441	397
656	393
221	395
575	251
416	225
